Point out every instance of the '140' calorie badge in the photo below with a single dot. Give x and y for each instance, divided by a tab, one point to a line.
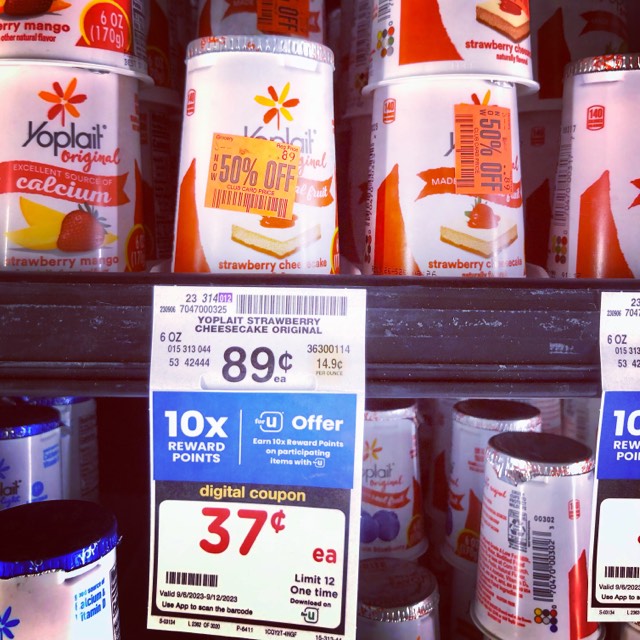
257	408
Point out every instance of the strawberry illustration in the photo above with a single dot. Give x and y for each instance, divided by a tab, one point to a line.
81	230
26	7
482	216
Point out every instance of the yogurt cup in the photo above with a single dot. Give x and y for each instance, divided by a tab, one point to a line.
257	163
392	515
595	228
30	457
71	197
301	19
581	419
563	31
445	193
629	631
397	600
105	34
425	37
534	543
58	576
474	423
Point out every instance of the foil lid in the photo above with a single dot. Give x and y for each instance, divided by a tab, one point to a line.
261	44
25	420
383	409
497	415
609	62
53	401
393	590
54	535
518	457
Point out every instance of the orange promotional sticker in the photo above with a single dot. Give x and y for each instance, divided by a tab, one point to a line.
284	17
483	149
253	175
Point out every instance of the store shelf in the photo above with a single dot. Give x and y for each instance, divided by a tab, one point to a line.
90	334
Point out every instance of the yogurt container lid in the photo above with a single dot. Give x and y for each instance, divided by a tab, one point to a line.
394	590
260	44
497	415
389	408
598	64
522	456
25	420
54	535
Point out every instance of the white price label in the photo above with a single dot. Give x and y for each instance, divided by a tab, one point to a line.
257	409
614	590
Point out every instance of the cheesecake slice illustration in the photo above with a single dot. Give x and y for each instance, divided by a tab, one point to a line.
506	17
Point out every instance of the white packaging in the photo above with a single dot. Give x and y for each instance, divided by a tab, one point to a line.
425	37
107	34
299	19
474	423
445	193
60	584
397	600
595	229
278	96
71	195
581	419
30	456
532	566
392	517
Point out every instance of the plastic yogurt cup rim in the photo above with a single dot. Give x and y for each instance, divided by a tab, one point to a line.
260	44
599	64
524	86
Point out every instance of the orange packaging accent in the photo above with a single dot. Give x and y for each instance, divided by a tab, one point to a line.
578	597
553	57
595	227
284	17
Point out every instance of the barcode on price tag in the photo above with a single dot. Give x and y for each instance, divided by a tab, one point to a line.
257	413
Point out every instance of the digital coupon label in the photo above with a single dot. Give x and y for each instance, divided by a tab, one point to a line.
257	446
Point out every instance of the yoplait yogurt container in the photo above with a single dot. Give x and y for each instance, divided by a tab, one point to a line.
295	18
445	192
257	189
595	227
107	34
70	180
422	37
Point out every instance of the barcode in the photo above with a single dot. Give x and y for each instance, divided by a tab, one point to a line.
563	187
384	10
465	151
612	571
363	35
265	13
291	305
543	559
249	201
517	532
191	579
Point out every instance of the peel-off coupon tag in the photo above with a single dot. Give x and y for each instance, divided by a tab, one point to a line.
483	149
252	175
614	589
257	418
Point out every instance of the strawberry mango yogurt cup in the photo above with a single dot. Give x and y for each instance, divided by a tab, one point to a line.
424	37
105	34
71	189
257	189
293	18
445	193
595	226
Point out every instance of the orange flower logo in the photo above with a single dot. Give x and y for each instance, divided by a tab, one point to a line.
371	450
63	101
278	105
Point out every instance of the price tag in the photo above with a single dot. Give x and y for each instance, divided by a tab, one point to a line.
615	540
257	405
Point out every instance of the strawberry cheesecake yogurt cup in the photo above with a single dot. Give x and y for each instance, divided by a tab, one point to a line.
58	576
70	184
445	193
257	187
295	18
595	227
423	37
107	34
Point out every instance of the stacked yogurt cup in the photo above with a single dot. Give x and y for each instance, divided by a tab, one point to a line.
445	192
72	197
562	32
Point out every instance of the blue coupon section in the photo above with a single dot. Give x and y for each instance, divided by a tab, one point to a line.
619	443
305	439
